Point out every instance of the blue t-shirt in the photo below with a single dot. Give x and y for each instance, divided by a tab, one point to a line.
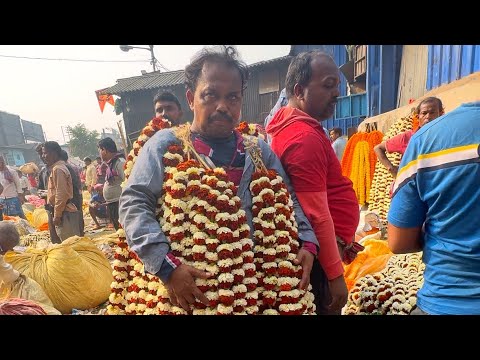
438	184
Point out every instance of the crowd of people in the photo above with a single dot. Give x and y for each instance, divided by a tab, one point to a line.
434	204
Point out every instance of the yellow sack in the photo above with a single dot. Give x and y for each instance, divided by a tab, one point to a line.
40	217
74	274
28	289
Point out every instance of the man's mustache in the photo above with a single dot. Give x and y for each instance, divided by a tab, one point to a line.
220	116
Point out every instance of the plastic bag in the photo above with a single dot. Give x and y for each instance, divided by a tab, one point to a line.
28	289
74	274
40	217
372	259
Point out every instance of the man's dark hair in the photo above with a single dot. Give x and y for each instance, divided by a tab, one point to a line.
166	96
108	144
337	131
431	99
87	159
300	70
53	147
226	55
64	156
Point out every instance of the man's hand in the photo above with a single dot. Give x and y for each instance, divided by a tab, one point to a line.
305	258
182	289
57	221
393	170
339	292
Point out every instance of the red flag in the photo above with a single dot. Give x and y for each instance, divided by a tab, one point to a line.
103	99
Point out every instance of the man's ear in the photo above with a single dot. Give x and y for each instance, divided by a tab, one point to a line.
190	96
298	91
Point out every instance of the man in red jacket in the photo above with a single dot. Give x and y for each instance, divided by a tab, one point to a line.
326	196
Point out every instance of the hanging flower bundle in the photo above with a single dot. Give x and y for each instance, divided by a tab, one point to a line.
358	162
148	131
382	179
201	215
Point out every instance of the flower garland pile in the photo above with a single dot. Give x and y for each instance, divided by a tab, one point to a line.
393	291
202	217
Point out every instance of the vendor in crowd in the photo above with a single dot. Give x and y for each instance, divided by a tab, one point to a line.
428	109
90	174
168	107
115	175
339	142
326	196
12	195
215	81
435	209
98	207
63	215
101	169
77	189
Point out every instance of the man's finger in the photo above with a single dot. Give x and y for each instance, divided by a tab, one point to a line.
173	297
199	273
305	280
184	304
190	298
200	296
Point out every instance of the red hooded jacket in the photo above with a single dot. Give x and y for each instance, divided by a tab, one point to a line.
309	160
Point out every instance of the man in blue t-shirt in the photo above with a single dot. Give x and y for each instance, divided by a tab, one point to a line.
98	206
438	187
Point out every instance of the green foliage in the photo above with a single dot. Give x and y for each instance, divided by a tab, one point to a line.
83	142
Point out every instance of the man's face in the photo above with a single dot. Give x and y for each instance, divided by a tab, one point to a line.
217	101
103	154
169	111
319	97
40	155
50	158
333	135
428	112
2	163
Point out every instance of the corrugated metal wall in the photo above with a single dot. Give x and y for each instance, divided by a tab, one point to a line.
255	106
412	83
383	63
10	129
447	63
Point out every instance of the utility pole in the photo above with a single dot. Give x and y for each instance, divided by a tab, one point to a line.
154	60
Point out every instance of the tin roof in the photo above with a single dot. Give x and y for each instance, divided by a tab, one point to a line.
158	79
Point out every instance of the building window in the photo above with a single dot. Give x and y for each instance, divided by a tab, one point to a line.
268	81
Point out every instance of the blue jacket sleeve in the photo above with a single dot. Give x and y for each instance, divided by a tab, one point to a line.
138	203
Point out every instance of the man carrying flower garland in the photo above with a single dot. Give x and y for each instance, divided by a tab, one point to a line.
216	81
327	197
428	109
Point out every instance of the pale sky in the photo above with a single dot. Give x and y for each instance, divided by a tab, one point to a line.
62	93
